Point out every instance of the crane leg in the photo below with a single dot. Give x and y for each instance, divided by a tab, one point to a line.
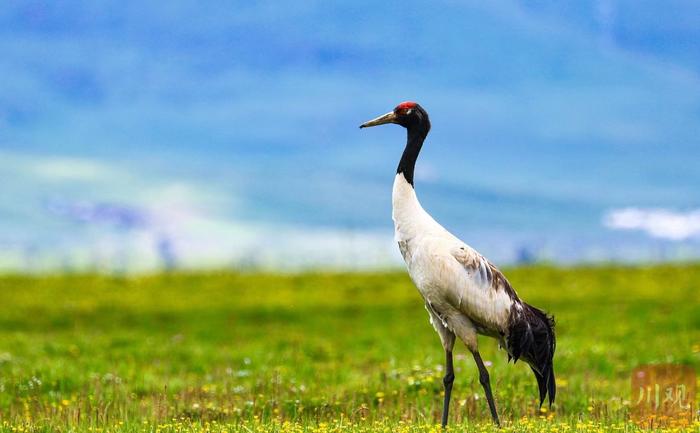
486	384
447	381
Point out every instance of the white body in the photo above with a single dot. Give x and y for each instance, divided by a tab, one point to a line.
459	285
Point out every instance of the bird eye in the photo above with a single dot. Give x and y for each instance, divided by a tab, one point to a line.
409	111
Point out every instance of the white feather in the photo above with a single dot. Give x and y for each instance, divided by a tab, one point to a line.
454	280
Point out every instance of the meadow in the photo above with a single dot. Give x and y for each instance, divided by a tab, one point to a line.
321	352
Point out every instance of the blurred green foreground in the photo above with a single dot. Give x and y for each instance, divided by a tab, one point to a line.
321	352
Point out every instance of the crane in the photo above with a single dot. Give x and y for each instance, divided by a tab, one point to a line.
465	294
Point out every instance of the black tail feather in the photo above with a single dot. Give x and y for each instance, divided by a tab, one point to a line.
546	387
552	387
531	338
542	385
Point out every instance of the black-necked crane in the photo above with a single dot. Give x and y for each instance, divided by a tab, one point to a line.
464	293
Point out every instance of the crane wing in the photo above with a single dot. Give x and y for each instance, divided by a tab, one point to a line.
482	271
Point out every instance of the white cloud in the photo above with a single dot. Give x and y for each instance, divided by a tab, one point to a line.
113	218
58	168
196	239
656	222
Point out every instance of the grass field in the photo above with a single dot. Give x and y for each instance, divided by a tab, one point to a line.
321	352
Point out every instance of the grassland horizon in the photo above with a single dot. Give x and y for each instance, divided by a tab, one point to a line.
322	351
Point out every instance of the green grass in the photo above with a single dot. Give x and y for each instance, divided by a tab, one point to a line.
320	352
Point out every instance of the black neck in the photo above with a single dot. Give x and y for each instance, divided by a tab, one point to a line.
415	136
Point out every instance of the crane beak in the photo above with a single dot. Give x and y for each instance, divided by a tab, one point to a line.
389	117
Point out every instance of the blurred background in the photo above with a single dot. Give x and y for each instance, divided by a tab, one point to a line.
137	137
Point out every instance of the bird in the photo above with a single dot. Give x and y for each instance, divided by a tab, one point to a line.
464	293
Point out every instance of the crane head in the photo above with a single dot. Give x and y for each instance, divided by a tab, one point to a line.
405	114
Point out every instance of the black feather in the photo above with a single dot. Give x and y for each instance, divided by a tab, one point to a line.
541	384
552	387
531	338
